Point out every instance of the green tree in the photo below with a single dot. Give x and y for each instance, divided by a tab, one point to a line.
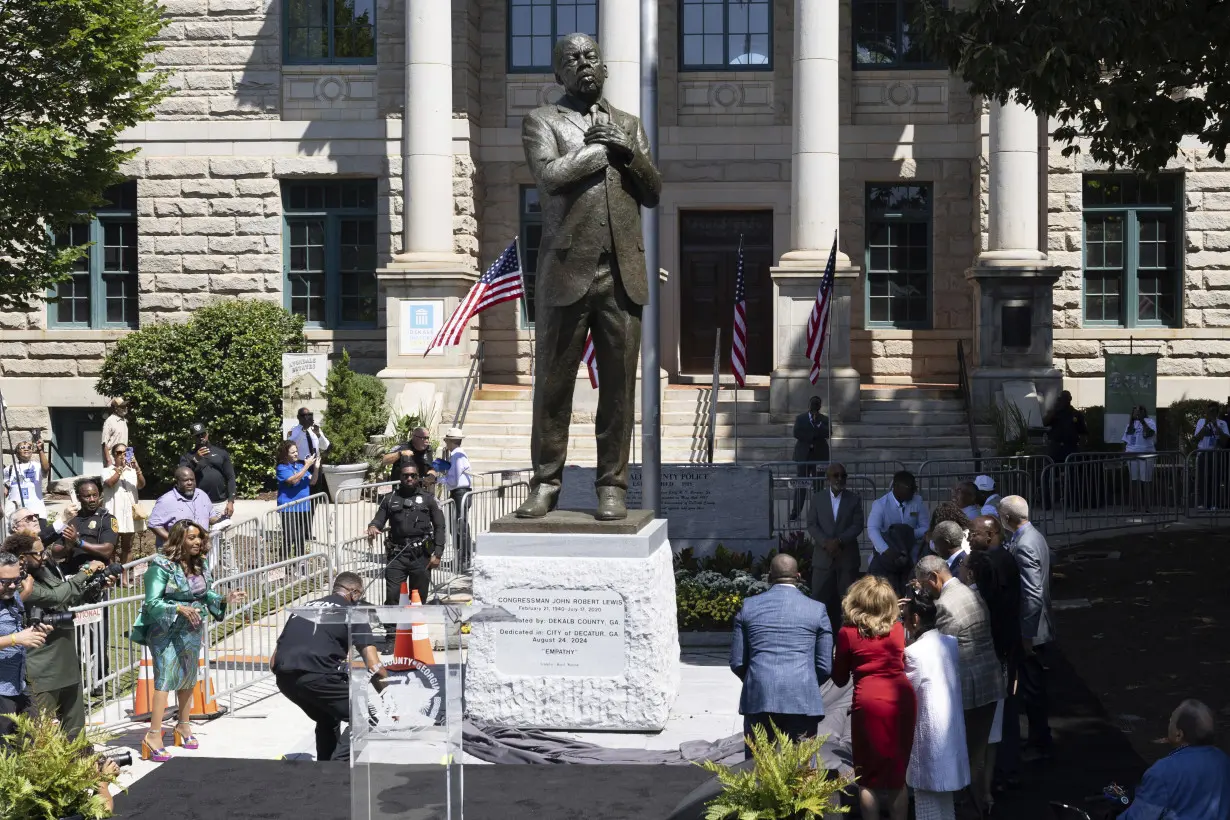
222	367
357	409
1134	76
76	73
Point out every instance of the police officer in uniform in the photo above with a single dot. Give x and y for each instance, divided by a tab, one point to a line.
311	665
415	521
96	540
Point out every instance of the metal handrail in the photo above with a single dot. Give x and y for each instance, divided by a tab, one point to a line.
474	381
967	400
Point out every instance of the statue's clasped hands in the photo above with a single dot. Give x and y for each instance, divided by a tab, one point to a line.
612	136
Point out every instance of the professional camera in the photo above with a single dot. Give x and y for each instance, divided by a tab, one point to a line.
120	757
96	583
36	616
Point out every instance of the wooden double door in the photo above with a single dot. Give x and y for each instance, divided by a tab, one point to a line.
708	262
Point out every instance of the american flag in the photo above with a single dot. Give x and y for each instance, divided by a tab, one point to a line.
818	323
738	345
501	283
591	363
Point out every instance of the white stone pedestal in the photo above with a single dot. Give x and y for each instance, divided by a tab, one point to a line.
596	644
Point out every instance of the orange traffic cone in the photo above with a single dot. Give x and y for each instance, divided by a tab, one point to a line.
413	643
204	704
142	698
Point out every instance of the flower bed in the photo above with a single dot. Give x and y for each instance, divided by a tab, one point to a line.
710	590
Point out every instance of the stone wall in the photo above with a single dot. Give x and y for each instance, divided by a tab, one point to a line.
1201	347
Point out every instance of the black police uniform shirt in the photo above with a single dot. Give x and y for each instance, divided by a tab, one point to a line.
98	528
215	474
406	453
411	518
305	646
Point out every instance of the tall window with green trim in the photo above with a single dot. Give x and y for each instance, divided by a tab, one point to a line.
329	255
329	31
887	35
1133	271
898	256
726	35
535	25
531	240
102	291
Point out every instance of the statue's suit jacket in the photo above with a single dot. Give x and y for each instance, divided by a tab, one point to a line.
587	205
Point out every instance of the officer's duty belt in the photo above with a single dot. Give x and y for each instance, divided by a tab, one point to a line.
411	549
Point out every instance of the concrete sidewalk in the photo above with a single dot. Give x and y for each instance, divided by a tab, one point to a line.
264	725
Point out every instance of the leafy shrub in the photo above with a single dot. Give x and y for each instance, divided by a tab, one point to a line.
222	367
358	408
722	561
710	590
784	783
46	776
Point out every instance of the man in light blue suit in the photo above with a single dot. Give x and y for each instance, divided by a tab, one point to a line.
782	650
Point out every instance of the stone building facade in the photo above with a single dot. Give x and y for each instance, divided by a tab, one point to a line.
283	167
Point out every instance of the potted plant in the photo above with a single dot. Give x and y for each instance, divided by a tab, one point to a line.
46	776
357	409
783	784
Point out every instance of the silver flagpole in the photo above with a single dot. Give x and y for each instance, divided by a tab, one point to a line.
651	322
828	356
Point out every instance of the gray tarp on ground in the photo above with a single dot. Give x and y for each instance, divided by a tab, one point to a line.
504	745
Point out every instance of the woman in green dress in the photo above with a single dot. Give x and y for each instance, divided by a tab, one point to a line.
177	596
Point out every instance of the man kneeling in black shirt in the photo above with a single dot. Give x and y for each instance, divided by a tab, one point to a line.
312	667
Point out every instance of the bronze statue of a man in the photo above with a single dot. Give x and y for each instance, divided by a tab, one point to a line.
592	166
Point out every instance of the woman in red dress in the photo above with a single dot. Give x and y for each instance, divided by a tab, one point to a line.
871	647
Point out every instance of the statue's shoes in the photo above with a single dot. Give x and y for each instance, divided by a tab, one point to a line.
611	506
541	501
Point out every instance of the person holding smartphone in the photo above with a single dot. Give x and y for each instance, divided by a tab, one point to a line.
23	479
295	480
1140	437
215	474
121	483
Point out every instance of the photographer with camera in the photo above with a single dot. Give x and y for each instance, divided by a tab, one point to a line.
16	640
1140	437
54	670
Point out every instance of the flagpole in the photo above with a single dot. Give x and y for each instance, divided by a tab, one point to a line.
525	305
828	356
651	323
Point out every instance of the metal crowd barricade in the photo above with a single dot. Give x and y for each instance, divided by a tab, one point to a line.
496	478
479	508
110	662
937	487
1090	492
1208	485
238	548
353	510
238	648
969	468
295	528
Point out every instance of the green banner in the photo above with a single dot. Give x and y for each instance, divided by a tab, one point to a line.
1130	381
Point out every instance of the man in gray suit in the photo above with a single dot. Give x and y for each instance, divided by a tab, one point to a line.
811	445
594	173
1033	558
964	615
782	650
834	523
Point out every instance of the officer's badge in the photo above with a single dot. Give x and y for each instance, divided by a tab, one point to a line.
93	524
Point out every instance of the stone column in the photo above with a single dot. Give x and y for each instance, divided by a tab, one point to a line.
428	273
619	33
815	215
1012	280
1013	183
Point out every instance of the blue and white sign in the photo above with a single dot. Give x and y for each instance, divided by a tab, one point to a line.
421	320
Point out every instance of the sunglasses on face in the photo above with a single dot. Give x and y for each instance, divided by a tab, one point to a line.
13	582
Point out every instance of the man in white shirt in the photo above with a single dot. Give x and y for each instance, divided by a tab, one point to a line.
1210	431
308	436
900	510
987	496
115	429
458	479
23	479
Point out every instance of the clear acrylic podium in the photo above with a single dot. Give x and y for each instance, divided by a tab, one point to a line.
405	738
